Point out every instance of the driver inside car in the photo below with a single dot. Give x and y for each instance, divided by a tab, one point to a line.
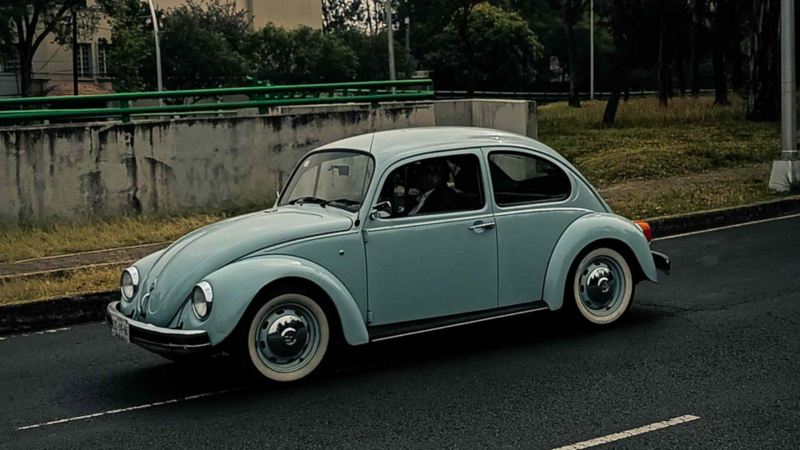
434	194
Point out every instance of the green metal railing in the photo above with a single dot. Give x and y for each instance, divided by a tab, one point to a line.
119	105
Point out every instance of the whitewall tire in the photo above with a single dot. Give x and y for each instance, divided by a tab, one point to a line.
602	286
286	338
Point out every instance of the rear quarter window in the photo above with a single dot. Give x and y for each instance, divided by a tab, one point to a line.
520	179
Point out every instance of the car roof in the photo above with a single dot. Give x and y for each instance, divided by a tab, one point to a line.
391	145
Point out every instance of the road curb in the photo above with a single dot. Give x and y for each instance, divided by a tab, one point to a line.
670	225
91	307
55	312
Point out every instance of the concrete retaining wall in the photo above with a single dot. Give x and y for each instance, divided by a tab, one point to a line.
75	172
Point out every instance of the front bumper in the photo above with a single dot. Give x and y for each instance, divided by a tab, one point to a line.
662	262
158	339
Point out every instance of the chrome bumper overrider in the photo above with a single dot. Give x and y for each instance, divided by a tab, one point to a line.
158	339
662	262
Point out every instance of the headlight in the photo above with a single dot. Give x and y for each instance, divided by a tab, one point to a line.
202	295
129	282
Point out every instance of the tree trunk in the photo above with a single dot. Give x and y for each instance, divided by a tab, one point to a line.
25	70
663	84
681	76
695	60
720	39
621	62
763	90
734	50
574	99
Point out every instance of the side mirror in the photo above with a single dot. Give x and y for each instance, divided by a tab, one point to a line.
381	210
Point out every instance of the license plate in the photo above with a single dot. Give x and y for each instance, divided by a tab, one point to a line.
120	328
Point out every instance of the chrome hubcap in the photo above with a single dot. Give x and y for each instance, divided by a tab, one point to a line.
601	285
287	337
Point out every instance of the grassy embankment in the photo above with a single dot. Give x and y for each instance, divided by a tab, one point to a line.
689	157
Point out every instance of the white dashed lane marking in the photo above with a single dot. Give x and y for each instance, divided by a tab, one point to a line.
128	409
629	433
35	333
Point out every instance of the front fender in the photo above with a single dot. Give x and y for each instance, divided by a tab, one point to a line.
237	284
580	234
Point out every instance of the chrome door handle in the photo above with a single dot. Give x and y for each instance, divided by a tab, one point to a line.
481	227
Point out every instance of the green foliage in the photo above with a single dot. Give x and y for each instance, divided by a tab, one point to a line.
489	48
201	45
302	55
131	49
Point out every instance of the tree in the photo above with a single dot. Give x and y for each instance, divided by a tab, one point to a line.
25	26
720	31
485	46
763	89
202	44
302	55
625	25
572	11
132	50
338	15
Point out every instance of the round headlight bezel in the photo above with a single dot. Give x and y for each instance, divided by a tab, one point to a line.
129	283
202	298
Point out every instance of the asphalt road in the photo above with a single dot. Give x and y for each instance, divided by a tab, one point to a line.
718	339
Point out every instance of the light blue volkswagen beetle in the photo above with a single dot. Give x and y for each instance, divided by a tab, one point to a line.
386	235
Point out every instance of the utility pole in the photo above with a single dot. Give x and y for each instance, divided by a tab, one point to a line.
591	49
408	35
786	171
389	21
75	88
159	78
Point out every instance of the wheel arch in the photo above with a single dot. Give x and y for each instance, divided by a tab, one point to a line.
239	286
587	233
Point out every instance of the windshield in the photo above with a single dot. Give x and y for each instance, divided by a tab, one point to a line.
336	178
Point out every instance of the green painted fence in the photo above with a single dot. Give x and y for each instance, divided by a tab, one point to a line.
119	105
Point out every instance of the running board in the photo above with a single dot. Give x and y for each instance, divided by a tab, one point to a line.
392	331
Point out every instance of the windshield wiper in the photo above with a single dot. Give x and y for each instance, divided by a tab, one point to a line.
300	200
344	202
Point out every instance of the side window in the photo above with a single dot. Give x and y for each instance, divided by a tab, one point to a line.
434	185
519	179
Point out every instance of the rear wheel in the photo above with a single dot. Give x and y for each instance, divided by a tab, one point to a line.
286	338
602	286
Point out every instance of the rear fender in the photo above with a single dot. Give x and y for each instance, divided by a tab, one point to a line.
584	232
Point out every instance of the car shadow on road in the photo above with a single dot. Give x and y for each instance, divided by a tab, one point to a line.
540	333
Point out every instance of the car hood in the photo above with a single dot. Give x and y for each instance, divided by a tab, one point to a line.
184	263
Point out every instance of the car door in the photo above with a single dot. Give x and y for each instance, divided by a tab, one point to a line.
434	253
532	196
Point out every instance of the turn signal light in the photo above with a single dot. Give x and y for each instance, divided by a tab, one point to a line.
646	229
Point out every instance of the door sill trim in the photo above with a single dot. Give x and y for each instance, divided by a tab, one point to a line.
392	331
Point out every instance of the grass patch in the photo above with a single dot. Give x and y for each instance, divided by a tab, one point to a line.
685	194
25	290
19	242
649	142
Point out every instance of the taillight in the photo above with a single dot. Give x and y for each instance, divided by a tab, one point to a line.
646	229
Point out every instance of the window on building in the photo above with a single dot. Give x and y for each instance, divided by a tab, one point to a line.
519	179
8	64
85	61
102	58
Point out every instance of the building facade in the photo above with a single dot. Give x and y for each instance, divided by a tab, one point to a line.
52	63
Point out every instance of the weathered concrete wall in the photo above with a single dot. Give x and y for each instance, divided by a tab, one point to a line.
518	116
74	172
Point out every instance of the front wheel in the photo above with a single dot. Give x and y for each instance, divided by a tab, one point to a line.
602	286
286	338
